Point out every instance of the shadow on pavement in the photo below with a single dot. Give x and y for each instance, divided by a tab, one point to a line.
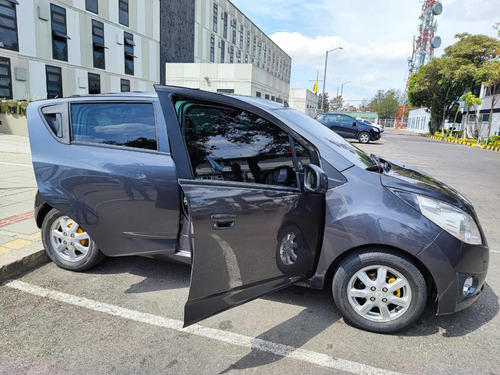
460	323
158	275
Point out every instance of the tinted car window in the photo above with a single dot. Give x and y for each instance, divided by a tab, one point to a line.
235	145
347	119
120	124
325	134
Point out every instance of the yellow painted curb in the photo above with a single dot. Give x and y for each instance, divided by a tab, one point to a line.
17	244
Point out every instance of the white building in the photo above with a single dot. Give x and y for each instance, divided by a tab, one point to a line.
65	47
207	32
418	120
484	114
304	101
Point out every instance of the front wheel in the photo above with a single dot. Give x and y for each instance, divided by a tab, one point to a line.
68	244
364	137
379	291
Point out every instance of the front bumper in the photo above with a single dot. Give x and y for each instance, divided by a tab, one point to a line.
451	262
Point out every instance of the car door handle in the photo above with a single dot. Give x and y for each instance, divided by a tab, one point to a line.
222	221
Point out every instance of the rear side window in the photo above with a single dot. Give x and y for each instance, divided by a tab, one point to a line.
118	124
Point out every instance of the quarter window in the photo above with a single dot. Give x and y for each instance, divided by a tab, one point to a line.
8	25
54	82
123	124
124	85
235	145
91	6
5	79
94	83
123	12
129	53
59	33
98	44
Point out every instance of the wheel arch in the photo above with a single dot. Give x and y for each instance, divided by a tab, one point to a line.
429	280
42	208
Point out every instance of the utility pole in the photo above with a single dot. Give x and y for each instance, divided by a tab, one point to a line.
324	78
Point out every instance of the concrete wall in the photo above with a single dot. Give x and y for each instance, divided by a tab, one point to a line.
177	32
304	101
13	124
242	79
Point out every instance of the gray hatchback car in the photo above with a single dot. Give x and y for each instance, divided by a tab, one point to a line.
256	197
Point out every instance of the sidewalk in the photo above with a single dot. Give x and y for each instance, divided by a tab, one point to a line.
20	243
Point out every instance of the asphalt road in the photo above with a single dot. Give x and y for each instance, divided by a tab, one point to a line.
124	316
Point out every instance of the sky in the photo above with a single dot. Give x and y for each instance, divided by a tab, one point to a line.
376	37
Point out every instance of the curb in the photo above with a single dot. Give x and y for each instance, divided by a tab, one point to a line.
490	148
18	266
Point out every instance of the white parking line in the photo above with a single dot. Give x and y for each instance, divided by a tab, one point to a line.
495	251
315	358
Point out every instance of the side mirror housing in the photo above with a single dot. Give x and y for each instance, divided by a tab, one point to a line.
354	123
315	179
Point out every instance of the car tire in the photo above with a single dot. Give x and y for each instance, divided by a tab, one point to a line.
292	252
374	305
364	137
67	244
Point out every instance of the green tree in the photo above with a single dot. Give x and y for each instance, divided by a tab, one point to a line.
323	104
337	103
471	100
389	105
433	88
489	76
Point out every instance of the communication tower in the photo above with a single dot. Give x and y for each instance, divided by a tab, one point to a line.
423	45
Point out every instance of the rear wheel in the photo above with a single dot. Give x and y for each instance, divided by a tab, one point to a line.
67	244
364	137
379	291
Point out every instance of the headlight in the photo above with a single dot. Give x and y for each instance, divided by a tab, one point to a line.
452	219
376	129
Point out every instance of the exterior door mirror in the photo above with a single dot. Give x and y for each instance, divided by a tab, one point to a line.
315	179
354	123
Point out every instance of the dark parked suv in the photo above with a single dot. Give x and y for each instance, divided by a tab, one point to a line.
348	127
256	197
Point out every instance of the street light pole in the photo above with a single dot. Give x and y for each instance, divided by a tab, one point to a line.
342	88
324	78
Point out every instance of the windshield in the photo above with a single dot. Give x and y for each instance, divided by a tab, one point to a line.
320	131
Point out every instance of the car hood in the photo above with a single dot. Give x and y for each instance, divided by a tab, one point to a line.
407	178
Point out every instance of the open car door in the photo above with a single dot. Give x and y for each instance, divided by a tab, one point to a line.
253	229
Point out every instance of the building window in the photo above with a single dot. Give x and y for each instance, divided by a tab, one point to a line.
231	54
216	15
8	25
98	44
241	39
224	30
272	98
5	79
238	56
89	124
129	53
266	96
248	41
234	31
258	94
212	48
222	50
59	33
54	82
123	12
94	83
124	85
254	46
246	58
91	6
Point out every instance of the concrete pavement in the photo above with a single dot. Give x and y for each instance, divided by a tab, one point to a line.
20	243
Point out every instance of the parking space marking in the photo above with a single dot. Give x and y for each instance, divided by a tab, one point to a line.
281	350
495	251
